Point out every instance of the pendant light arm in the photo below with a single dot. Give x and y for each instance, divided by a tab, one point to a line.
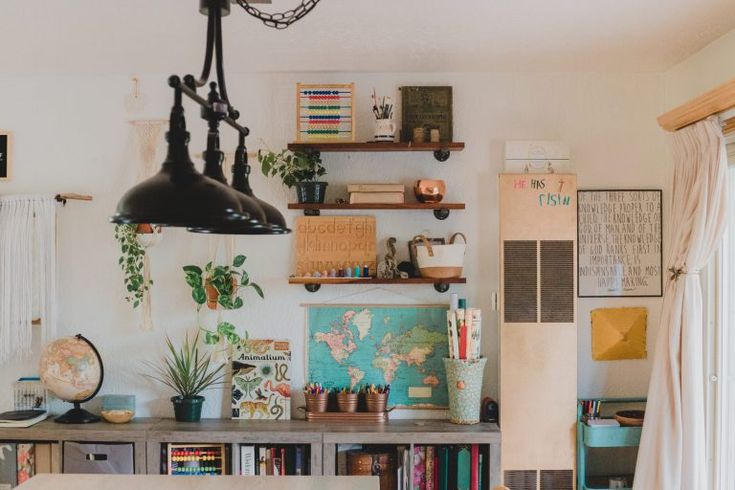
211	28
176	83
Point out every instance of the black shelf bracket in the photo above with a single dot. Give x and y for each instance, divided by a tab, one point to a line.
442	155
312	212
441	287
312	288
441	213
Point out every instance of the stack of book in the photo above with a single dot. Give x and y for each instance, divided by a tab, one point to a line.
274	460
376	193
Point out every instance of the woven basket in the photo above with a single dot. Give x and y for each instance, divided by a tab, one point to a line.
464	381
440	261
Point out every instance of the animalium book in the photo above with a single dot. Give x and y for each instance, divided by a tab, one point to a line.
261	380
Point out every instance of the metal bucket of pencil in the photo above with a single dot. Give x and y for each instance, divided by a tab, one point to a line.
376	397
316	397
346	401
464	382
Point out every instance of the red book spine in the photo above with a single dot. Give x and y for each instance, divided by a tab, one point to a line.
474	466
463	342
283	461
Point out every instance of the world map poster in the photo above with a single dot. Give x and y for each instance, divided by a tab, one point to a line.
403	346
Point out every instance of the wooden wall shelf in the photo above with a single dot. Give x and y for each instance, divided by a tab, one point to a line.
313	284
441	209
441	150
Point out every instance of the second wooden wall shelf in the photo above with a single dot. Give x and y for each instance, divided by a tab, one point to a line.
313	284
441	209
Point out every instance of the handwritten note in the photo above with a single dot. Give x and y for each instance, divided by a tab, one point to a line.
619	243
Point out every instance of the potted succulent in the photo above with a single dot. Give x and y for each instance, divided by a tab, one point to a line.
296	169
188	373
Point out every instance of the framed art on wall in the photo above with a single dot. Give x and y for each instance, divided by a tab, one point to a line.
620	239
325	112
6	154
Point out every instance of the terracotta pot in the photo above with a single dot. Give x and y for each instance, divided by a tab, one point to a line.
429	191
213	294
317	402
145	229
347	402
376	402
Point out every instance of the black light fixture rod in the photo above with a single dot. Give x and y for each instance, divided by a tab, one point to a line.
176	83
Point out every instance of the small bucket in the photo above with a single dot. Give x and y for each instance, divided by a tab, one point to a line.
317	402
376	402
464	381
347	402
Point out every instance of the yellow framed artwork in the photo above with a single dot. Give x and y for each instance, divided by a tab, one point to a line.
619	333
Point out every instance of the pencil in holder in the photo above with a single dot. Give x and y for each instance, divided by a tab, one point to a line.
316	402
464	382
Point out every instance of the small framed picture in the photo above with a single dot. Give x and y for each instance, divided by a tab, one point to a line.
325	113
6	154
619	243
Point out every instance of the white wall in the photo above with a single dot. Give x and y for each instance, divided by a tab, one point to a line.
705	70
71	134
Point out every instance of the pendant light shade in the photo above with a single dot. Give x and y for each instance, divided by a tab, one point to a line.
178	195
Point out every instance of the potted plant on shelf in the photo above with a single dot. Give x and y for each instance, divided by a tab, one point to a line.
297	169
188	373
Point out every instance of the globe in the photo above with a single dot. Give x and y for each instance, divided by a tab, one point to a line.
71	368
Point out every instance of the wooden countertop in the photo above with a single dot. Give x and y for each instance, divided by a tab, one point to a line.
126	482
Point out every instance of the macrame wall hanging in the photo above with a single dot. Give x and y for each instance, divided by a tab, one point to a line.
27	272
146	136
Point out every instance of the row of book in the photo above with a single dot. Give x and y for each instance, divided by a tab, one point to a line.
447	468
274	460
464	333
19	462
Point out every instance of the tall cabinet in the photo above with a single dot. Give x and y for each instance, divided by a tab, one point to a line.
538	330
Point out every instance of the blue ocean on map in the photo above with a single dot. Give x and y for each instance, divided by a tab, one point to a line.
354	345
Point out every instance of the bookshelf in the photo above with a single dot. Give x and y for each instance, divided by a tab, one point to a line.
148	436
441	151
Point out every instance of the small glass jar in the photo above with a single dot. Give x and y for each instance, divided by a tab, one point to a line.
118	409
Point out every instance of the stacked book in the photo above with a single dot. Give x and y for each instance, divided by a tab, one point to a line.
274	460
376	193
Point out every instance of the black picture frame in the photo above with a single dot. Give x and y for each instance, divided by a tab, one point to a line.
583	293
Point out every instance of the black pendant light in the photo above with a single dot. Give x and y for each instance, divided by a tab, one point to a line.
179	195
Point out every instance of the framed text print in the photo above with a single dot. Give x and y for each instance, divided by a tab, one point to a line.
6	154
619	243
325	112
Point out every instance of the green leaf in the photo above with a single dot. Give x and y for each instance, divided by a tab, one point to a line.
258	290
237	304
199	295
239	261
211	338
193	269
225	328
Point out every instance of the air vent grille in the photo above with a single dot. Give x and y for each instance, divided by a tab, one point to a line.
557	480
520	278
521	479
557	281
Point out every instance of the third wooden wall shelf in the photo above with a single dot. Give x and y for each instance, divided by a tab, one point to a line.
441	209
441	150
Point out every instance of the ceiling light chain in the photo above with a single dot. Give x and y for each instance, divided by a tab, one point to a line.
280	20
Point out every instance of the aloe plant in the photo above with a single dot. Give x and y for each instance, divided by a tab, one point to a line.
185	371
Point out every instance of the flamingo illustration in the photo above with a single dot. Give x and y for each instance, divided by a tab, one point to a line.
283	389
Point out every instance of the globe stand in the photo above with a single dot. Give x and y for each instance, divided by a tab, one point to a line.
77	415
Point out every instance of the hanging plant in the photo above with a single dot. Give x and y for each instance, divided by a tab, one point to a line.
220	287
131	261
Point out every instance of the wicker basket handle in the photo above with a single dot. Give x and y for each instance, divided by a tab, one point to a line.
451	240
422	238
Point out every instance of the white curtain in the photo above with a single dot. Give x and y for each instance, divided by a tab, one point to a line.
672	453
27	271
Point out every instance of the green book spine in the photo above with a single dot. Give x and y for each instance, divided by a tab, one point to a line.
443	483
463	469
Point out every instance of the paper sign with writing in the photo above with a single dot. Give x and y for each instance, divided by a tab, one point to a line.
324	243
619	243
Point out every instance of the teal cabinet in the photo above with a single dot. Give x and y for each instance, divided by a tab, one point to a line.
589	437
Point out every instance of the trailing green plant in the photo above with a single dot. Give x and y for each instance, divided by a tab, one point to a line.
292	167
185	370
228	281
131	260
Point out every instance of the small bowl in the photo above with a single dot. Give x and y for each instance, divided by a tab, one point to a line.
429	191
118	409
630	418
